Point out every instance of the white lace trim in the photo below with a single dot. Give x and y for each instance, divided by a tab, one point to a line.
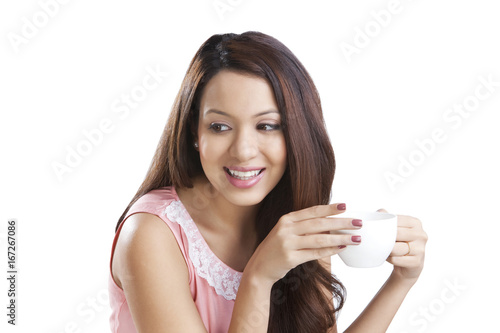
224	280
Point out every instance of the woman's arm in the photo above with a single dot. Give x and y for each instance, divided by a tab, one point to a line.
151	270
252	305
379	313
408	260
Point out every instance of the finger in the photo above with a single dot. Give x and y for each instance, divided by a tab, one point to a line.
408	221
313	254
403	220
317	241
401	249
325	224
405	261
316	211
405	235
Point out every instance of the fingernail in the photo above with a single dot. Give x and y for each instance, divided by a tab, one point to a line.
341	206
356	239
341	246
357	223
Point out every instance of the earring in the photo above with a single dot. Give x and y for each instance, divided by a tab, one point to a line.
195	144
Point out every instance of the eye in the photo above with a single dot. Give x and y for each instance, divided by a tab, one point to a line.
269	127
217	128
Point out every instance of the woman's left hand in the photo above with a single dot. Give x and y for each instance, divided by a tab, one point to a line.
408	253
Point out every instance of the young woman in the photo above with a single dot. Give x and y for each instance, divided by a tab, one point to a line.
232	230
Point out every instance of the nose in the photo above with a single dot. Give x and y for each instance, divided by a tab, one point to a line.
245	146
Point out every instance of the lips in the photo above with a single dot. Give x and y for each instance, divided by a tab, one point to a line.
243	173
244	177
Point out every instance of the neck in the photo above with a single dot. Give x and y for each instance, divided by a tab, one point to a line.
211	209
237	220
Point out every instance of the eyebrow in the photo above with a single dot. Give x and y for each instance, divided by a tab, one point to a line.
228	115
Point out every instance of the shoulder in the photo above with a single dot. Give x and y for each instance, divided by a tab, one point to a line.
153	202
146	242
155	198
154	277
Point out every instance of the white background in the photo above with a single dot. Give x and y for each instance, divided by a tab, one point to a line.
65	76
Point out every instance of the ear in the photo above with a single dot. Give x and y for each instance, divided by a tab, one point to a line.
195	142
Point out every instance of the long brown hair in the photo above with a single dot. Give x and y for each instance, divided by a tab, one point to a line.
298	301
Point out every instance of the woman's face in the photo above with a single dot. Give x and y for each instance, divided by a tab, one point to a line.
241	143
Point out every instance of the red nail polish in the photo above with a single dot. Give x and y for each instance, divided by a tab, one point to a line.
357	223
356	239
341	246
341	206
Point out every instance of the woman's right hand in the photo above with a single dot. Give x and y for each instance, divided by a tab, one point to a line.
299	237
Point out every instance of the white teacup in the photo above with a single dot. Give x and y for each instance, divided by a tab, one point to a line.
378	236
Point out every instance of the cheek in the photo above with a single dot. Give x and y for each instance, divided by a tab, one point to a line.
278	153
209	151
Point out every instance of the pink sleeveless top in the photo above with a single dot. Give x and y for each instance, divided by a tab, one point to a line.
213	284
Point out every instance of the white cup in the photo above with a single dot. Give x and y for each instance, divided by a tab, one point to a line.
378	236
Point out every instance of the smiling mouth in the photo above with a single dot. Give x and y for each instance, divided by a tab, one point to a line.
243	175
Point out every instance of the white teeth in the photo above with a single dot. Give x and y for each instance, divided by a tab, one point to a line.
244	175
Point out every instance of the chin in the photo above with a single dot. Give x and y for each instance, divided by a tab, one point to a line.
245	199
